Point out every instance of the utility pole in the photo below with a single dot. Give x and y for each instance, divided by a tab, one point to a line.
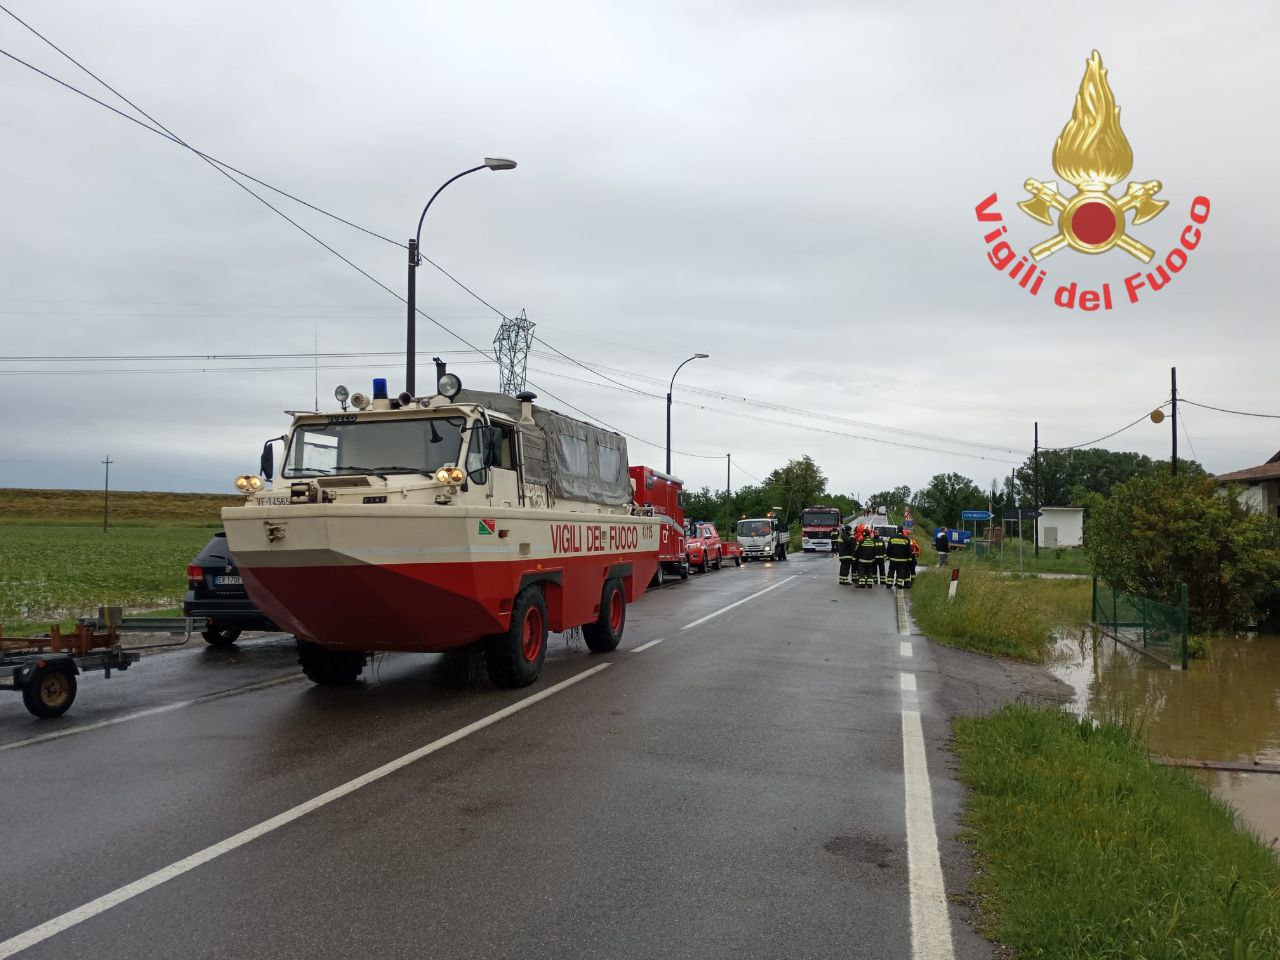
1173	390
106	490
1035	489
728	477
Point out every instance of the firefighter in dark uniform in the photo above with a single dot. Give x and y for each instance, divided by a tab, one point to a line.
899	553
880	574
866	559
846	548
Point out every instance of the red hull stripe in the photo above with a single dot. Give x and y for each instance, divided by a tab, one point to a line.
432	606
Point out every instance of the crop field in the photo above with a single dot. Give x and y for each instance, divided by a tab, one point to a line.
56	563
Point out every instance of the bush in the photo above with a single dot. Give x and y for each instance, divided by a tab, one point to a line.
1155	532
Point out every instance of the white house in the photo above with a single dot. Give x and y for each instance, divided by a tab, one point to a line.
1061	526
1259	486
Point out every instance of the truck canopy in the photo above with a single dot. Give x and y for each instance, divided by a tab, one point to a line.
576	459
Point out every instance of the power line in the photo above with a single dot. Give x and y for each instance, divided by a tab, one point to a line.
1090	443
1182	422
1238	413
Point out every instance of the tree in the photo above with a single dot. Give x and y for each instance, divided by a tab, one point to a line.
1067	475
893	501
1157	531
795	486
946	495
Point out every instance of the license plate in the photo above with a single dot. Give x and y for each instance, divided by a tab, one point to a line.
227	581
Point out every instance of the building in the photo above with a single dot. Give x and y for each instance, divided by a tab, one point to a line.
1061	527
1259	486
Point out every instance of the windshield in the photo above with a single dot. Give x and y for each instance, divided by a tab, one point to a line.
753	528
820	518
417	445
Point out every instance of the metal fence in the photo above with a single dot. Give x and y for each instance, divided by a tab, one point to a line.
1155	628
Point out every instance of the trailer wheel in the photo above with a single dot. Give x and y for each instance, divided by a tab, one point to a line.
329	668
515	658
50	692
217	636
604	635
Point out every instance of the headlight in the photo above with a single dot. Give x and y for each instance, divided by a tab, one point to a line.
450	385
442	475
255	483
243	484
340	394
456	475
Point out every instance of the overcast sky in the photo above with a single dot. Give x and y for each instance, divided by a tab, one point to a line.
787	187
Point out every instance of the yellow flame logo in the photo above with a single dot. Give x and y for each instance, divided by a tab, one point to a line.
1092	151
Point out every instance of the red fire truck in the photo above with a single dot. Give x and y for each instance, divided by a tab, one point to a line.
818	528
665	495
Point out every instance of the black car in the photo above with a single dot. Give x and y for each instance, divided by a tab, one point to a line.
216	592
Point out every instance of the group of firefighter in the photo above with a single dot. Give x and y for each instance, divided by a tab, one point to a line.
870	559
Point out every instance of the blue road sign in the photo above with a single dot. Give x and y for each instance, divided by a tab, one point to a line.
975	514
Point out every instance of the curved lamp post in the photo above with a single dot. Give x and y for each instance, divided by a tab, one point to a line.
490	163
672	386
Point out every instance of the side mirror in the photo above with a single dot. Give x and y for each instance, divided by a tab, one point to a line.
268	464
483	451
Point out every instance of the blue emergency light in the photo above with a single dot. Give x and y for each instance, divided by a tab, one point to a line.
379	388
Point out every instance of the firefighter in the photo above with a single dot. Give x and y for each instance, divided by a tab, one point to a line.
915	557
899	553
846	546
880	573
866	559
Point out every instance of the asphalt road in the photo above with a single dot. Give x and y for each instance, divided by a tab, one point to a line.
747	785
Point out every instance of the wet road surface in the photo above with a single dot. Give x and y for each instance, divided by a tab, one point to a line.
741	778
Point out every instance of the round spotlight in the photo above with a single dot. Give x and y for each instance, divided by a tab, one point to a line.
456	475
442	475
449	385
360	401
242	484
255	483
340	393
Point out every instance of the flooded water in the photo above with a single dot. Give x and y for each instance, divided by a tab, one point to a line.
1223	708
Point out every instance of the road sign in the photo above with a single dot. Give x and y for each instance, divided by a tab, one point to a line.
975	514
1031	514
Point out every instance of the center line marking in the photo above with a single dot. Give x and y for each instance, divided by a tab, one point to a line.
930	922
118	896
711	616
904	648
645	646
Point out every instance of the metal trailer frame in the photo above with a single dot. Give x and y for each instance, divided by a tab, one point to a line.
44	669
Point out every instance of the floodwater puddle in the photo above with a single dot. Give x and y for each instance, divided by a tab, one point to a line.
1225	708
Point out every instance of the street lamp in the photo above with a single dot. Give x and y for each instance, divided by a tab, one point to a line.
696	356
490	163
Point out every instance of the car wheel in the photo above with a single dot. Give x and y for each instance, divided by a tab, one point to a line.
50	692
515	658
605	633
329	668
218	636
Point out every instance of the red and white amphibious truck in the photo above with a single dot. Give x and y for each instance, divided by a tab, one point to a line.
428	524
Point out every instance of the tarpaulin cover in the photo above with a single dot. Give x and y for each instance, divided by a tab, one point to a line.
576	459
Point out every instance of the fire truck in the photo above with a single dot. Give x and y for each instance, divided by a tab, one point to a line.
435	523
664	496
819	528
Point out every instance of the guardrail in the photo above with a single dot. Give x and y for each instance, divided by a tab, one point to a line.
1157	629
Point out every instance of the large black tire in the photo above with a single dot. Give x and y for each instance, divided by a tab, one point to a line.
217	636
719	562
684	570
329	668
705	565
605	633
50	692
659	575
515	658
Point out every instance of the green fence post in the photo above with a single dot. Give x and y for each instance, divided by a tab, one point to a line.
1093	602
1143	609
1115	616
1185	603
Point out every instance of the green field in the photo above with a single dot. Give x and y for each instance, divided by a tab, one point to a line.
1087	850
56	563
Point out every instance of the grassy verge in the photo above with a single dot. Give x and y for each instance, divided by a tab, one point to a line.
1057	560
54	573
1001	615
128	508
1088	850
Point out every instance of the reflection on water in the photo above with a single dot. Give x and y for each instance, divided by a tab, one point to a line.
1224	708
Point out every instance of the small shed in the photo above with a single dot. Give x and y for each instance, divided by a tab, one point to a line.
1061	527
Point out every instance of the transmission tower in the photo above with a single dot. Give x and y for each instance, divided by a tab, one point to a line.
511	345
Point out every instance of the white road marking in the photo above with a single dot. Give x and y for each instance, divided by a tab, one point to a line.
930	922
645	646
712	616
71	918
904	619
150	712
904	648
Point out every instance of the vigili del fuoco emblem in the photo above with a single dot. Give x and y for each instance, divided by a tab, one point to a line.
1093	154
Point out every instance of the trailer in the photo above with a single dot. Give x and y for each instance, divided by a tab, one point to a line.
44	669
